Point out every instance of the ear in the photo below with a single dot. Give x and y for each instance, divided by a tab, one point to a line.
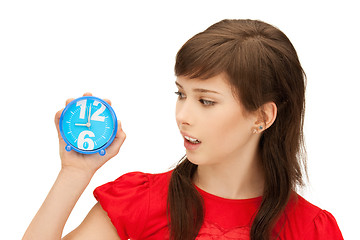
265	117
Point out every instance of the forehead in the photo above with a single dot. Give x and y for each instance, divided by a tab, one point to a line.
218	83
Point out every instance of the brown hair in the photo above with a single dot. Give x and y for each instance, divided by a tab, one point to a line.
262	66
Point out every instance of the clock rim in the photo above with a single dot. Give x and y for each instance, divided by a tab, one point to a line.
103	147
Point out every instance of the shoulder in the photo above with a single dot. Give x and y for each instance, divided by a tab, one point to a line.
137	181
128	199
302	218
133	185
301	207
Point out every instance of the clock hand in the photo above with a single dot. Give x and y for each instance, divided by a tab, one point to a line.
83	124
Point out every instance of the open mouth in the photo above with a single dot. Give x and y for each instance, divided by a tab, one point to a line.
192	140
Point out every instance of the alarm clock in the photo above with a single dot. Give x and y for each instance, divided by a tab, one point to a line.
88	125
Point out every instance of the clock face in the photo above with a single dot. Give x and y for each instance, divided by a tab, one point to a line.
88	125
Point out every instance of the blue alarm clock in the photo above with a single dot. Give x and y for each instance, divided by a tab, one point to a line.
88	125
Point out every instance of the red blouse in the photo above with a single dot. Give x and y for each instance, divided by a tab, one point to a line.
136	205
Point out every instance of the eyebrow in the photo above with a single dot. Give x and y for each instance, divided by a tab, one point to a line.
202	90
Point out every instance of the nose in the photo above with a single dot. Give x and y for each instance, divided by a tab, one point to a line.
184	113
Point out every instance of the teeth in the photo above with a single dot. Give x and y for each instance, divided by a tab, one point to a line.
193	140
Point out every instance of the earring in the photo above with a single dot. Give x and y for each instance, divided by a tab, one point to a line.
256	131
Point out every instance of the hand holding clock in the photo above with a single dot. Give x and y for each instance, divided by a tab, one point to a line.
81	137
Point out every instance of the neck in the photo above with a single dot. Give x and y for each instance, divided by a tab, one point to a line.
238	179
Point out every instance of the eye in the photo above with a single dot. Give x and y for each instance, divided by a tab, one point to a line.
180	95
207	102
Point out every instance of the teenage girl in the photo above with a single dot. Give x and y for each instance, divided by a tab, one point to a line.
240	110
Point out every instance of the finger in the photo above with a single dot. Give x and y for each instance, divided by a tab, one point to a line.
69	100
87	94
57	121
108	101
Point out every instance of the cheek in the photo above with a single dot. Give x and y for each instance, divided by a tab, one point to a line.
230	133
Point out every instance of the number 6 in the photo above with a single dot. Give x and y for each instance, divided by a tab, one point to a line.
82	140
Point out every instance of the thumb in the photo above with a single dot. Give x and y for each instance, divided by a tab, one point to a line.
120	137
57	121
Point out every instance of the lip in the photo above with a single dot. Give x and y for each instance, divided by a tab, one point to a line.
188	135
188	145
191	146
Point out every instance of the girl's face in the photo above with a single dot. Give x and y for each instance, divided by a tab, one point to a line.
215	126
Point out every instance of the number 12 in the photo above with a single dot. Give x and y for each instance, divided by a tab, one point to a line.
96	116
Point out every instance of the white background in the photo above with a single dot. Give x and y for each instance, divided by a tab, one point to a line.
125	51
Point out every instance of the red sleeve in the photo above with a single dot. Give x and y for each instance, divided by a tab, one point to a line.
126	201
324	227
